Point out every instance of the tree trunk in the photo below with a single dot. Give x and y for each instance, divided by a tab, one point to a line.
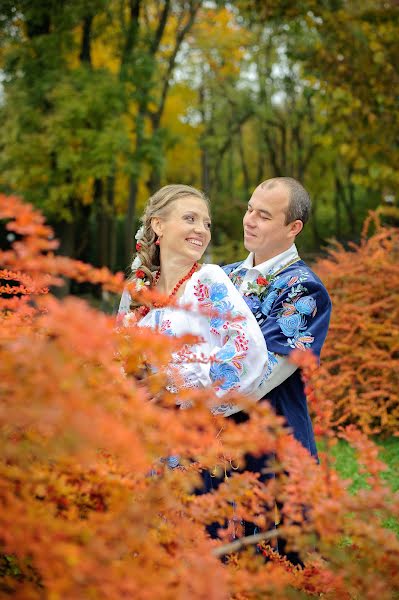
112	223
205	172
85	50
337	202
351	203
313	222
230	170
130	219
154	181
348	202
244	166
82	232
103	227
66	233
205	182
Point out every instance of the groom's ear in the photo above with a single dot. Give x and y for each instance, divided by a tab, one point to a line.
295	228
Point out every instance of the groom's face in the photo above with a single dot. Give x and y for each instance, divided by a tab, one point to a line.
266	233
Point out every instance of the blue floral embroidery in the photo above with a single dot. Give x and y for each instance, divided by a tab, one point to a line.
225	374
217	292
237	276
272	361
222	307
253	302
292	316
292	325
268	302
226	353
228	365
280	282
301	341
306	305
296	290
217	322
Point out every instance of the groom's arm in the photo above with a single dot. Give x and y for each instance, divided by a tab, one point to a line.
281	370
281	341
296	321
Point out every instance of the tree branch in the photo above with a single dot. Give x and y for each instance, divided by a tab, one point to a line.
181	34
233	131
245	541
160	29
85	51
244	166
272	153
132	35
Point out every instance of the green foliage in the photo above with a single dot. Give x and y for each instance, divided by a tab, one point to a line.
56	157
102	104
348	468
16	571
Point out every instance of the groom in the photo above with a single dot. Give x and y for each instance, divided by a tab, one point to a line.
288	300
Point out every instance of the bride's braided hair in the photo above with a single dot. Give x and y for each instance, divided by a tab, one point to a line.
158	205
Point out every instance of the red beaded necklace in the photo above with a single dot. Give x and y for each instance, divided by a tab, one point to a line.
144	310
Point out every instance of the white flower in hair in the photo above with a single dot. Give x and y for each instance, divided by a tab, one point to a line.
136	263
140	233
139	284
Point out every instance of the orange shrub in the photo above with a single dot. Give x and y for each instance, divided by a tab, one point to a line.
88	509
360	360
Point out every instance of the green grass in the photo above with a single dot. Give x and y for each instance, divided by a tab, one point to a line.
347	467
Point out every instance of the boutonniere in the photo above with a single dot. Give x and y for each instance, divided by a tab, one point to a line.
256	292
258	287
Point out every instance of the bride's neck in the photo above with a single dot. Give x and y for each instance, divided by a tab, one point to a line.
172	270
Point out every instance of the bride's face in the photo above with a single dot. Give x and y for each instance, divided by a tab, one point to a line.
185	230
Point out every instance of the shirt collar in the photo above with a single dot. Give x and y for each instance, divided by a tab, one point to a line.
272	264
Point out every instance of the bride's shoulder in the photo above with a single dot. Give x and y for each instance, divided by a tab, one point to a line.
213	272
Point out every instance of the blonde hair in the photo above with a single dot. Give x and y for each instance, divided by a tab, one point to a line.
158	205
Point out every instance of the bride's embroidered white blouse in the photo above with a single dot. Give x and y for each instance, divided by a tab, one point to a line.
232	354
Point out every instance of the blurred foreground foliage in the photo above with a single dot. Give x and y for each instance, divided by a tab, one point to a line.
88	507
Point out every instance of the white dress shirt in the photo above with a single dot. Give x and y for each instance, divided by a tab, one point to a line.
283	368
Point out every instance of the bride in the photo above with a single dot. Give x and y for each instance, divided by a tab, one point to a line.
175	233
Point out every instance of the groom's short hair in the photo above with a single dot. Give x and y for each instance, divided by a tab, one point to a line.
299	202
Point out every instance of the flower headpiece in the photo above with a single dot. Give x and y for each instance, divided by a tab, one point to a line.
139	233
136	264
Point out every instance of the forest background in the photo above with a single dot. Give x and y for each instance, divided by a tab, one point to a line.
102	102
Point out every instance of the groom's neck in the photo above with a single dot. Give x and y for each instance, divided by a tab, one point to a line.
258	259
